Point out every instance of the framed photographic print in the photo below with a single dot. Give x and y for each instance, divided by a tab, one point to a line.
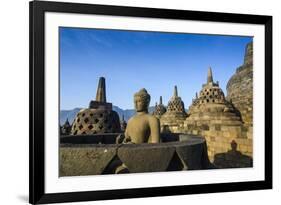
139	102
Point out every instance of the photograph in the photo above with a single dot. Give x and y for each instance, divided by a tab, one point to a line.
130	102
147	101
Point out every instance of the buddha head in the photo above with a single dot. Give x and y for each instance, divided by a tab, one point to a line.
141	100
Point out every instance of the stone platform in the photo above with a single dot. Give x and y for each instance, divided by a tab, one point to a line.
105	138
78	159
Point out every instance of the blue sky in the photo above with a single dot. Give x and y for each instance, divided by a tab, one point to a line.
131	60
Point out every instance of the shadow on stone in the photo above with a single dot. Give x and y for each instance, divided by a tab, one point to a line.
232	158
113	165
206	164
175	163
77	159
146	157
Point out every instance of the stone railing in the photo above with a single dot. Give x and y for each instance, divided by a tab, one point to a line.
85	157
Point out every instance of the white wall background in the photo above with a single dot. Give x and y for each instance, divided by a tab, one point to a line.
14	42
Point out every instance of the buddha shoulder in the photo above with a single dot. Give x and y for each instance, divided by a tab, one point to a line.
152	119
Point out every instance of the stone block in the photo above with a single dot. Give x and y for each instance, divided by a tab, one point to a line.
146	157
85	159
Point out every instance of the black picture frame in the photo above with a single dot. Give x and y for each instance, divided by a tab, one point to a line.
37	11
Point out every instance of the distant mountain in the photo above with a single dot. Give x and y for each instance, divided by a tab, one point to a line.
68	114
71	114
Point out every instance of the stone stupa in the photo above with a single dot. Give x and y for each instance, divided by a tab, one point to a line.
173	118
65	128
99	117
159	109
215	118
240	87
210	108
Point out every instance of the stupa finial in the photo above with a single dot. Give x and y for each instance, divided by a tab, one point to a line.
101	93
66	122
210	75
160	101
175	91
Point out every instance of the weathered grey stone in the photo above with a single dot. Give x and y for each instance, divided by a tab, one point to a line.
188	154
215	118
232	159
173	118
195	155
176	163
240	87
92	159
98	118
146	157
160	109
105	138
65	128
76	160
142	127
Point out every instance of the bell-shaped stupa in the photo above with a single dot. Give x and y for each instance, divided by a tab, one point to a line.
159	109
65	128
240	87
210	108
173	118
99	117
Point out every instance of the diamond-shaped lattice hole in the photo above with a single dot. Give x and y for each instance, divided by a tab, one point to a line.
100	126
86	120
80	127
175	163
90	127
112	166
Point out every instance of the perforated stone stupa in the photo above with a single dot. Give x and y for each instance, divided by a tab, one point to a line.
99	117
210	108
65	128
160	109
215	118
173	119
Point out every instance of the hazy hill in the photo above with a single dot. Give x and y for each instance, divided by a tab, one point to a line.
71	114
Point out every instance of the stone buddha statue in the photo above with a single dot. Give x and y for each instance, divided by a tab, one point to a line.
142	127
